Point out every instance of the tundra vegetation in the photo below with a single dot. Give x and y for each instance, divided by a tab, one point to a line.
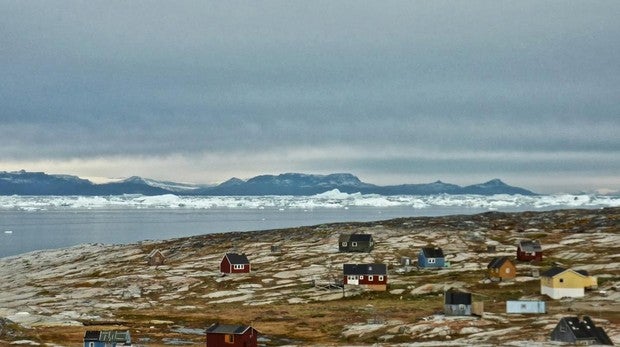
51	297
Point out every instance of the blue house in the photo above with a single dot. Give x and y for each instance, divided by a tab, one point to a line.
431	257
525	306
107	338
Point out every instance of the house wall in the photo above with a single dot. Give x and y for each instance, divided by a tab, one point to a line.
457	310
590	282
157	259
364	280
507	271
360	246
525	256
424	262
225	266
103	344
558	293
523	306
249	339
568	279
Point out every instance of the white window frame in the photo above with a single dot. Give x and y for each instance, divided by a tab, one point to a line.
431	260
361	277
344	244
353	244
380	278
370	278
238	266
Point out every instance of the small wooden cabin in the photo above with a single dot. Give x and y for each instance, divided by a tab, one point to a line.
372	276
501	268
431	257
107	338
235	263
529	250
559	282
457	303
355	243
156	257
580	332
226	335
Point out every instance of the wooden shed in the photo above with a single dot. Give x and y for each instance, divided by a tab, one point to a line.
226	335
156	257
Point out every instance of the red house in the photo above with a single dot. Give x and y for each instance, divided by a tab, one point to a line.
233	263
224	335
529	250
373	276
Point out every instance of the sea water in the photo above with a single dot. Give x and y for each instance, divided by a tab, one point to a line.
35	223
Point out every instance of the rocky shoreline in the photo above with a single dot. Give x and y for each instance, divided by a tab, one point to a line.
51	297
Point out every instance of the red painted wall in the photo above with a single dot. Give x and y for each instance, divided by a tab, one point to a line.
365	280
524	256
249	339
227	268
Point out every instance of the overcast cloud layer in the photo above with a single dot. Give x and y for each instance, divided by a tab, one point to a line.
395	92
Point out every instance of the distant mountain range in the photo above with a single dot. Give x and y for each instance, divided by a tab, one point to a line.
39	183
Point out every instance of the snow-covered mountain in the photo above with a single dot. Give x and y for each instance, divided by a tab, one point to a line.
299	184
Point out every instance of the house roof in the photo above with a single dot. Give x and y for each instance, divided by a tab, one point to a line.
107	335
235	258
556	270
364	269
553	271
155	251
456	297
360	238
432	252
227	329
497	262
585	329
530	246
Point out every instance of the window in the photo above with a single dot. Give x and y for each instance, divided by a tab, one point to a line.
507	270
561	280
431	260
354	244
91	344
362	277
380	278
229	338
562	329
238	266
370	278
523	306
344	244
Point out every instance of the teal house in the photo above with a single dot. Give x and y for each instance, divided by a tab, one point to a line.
431	257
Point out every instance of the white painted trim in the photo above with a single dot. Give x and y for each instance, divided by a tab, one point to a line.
558	293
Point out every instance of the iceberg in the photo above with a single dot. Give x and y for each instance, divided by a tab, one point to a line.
329	199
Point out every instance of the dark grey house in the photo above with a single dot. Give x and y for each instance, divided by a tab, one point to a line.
457	303
581	332
355	243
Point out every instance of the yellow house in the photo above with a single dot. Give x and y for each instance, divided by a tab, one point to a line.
559	283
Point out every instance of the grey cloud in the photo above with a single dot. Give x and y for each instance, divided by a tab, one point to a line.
83	79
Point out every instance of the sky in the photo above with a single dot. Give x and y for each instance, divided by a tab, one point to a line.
391	91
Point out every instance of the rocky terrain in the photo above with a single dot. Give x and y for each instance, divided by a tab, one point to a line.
51	297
